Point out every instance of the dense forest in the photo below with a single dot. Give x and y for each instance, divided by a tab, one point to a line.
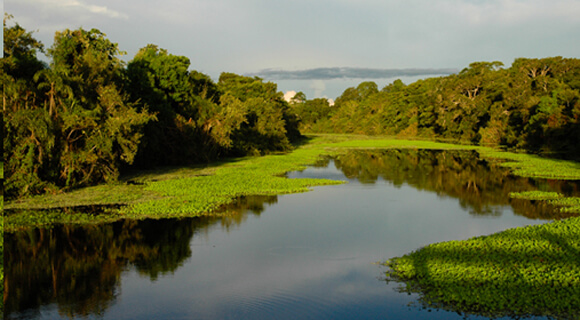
534	106
87	116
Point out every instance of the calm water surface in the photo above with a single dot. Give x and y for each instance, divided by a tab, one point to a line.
300	256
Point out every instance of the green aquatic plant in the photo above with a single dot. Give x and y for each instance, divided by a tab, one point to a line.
532	166
567	204
523	271
527	271
202	190
204	194
536	195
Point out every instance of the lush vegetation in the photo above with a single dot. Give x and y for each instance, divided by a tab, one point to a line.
423	165
87	117
533	105
518	272
172	192
193	191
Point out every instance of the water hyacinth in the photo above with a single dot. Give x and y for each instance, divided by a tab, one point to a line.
529	271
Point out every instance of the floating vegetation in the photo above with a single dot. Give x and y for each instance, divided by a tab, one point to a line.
570	205
529	271
536	195
519	272
41	218
195	191
527	165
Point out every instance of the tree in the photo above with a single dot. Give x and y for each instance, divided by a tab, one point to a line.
99	129
28	140
269	124
298	98
182	101
19	64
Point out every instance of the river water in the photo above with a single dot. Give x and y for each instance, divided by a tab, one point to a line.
313	255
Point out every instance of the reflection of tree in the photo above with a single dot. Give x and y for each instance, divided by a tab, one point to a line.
479	185
236	213
79	268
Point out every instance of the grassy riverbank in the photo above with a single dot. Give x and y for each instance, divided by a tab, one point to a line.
202	190
192	191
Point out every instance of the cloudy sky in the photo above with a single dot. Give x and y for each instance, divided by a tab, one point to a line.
321	46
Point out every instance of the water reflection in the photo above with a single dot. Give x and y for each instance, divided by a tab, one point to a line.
313	252
481	186
79	268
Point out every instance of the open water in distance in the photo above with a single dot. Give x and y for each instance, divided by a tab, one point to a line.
299	256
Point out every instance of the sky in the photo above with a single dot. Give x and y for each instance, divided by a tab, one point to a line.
321	47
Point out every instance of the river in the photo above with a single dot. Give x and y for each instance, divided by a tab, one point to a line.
313	255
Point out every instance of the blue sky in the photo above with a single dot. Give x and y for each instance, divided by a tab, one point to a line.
249	36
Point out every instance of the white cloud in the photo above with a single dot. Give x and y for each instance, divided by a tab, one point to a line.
77	7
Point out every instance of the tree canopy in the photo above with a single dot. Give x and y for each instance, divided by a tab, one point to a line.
534	105
87	116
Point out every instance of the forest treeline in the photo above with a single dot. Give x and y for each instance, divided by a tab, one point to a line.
534	105
87	116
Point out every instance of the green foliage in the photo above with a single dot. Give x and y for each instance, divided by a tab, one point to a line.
203	194
309	112
197	191
86	117
533	105
268	125
85	129
162	82
20	49
533	166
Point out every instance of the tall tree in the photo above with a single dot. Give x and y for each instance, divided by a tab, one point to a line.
28	138
184	101
269	125
99	129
